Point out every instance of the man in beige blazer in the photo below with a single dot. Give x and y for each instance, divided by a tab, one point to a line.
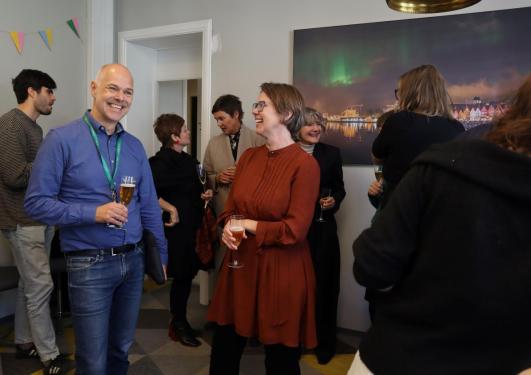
223	151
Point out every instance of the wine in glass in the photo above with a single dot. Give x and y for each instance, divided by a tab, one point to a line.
378	172
325	193
201	173
237	230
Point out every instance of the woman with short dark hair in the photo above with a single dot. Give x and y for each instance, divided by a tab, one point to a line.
181	196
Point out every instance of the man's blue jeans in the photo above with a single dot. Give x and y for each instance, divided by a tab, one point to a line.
105	293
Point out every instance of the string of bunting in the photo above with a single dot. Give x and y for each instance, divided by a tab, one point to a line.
18	37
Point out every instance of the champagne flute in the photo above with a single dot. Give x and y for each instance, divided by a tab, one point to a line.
127	188
325	193
237	229
201	173
378	171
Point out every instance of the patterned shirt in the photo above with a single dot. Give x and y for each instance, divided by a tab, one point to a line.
20	138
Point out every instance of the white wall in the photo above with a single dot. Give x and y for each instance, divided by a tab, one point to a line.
257	44
65	63
179	63
171	97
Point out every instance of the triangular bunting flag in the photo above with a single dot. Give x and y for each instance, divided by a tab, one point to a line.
47	37
74	25
18	40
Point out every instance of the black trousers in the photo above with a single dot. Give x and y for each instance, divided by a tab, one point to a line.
179	294
227	349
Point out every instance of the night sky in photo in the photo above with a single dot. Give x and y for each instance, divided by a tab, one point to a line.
483	55
480	54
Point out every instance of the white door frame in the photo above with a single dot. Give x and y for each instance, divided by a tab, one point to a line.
205	28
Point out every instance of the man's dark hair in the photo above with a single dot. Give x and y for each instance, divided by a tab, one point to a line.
229	104
30	78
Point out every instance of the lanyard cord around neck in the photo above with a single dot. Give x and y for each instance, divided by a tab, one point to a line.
106	170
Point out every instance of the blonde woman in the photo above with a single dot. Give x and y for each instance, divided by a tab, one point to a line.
423	117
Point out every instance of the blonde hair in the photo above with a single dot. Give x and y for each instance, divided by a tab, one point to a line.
423	90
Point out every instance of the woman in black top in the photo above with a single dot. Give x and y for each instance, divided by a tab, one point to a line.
181	195
424	117
322	236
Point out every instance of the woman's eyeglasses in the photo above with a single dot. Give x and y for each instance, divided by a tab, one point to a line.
259	106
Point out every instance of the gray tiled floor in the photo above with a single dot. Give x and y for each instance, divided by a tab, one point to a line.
154	353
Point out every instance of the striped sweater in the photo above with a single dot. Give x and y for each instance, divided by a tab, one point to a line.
20	138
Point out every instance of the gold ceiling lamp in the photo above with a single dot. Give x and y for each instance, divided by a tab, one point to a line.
429	6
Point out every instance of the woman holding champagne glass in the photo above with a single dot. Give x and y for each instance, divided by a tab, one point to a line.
322	236
274	188
180	193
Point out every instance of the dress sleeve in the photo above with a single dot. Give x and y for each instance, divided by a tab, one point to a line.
229	203
383	252
294	226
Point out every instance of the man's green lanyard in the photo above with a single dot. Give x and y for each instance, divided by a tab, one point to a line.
110	178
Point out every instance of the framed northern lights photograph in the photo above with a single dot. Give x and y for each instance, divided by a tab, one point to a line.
349	73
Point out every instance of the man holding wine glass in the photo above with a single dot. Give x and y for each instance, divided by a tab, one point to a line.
75	184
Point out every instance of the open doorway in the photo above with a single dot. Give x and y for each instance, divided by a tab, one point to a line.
159	57
183	98
179	52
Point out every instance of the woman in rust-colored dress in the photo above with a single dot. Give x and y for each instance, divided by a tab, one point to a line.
272	296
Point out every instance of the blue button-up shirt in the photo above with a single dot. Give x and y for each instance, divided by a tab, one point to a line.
67	184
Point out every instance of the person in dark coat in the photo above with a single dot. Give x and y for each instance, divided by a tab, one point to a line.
322	235
181	196
451	255
423	117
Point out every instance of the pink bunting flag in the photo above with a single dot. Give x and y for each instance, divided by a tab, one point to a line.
18	40
74	25
47	37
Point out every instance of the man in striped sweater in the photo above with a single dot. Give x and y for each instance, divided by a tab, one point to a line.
30	240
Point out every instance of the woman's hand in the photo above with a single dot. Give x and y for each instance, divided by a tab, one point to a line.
228	239
376	188
207	195
327	203
172	210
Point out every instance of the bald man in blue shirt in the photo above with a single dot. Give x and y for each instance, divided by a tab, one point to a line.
74	184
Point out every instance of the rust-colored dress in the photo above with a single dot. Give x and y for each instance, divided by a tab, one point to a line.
272	296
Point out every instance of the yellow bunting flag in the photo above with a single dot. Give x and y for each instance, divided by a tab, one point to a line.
47	37
74	25
18	40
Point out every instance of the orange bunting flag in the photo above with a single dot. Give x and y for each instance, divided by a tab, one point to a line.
74	25
47	37
18	40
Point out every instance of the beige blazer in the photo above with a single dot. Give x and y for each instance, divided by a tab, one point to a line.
218	156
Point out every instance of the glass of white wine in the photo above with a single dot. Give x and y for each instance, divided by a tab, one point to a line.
237	229
325	193
201	173
378	172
